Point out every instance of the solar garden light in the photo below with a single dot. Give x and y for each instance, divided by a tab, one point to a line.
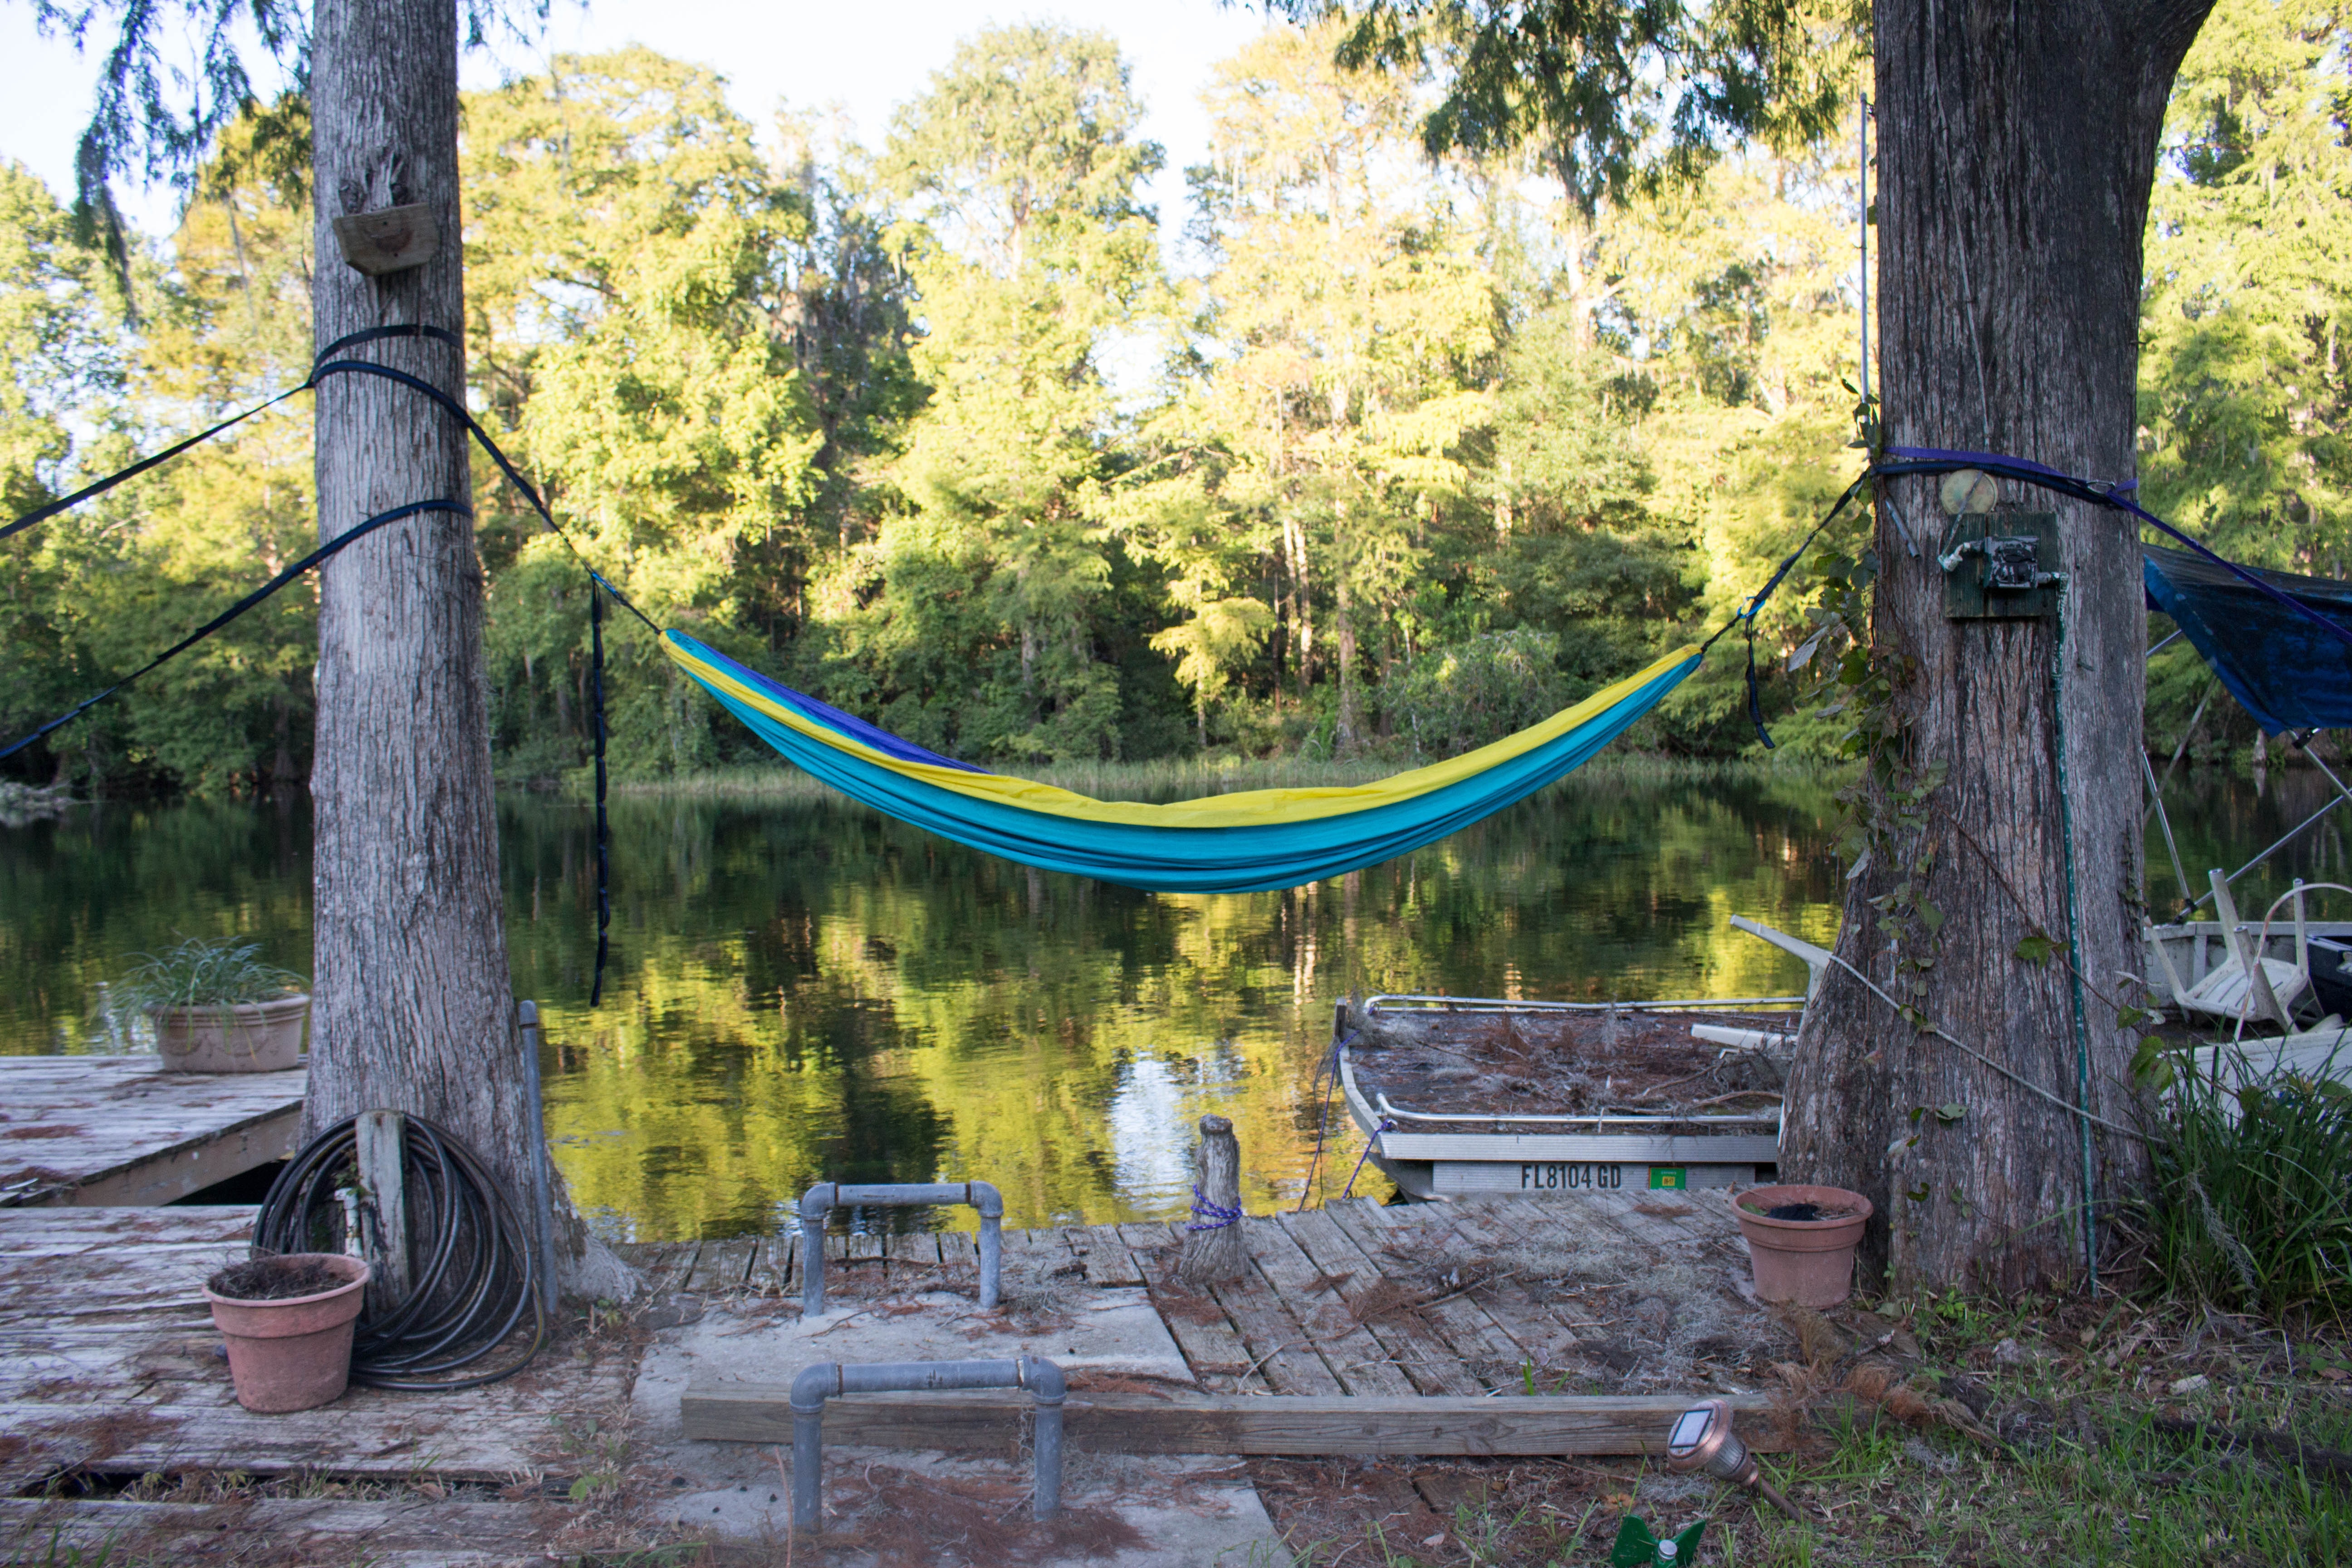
1702	1439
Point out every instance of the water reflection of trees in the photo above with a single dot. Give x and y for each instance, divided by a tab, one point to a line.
801	990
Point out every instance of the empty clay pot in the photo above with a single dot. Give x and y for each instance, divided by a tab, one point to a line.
294	1353
246	1037
1809	1261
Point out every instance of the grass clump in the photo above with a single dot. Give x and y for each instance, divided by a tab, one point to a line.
2250	1203
2013	1433
203	972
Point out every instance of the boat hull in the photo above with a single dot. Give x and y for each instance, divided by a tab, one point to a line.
1439	1165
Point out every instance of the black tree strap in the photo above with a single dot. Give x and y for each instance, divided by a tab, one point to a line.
1755	703
99	488
596	587
332	547
329	362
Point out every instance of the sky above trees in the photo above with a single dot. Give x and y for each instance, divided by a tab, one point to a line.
866	60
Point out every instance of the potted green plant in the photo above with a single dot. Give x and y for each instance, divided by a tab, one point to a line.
216	1007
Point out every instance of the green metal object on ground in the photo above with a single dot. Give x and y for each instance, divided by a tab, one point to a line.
1637	1548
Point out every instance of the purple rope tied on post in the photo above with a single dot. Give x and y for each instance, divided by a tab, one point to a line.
1219	1215
1386	1125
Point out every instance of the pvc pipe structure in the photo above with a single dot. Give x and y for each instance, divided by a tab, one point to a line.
826	1197
815	1384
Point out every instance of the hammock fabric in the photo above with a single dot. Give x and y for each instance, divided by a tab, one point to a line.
1239	843
2281	663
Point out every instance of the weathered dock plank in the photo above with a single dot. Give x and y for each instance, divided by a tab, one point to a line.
1214	1423
109	1364
1211	1344
1108	1261
723	1266
1354	1357
1408	1343
103	1131
399	1532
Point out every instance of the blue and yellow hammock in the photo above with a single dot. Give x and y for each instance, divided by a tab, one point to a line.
1239	843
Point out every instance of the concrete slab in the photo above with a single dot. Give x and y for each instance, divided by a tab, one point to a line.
884	1506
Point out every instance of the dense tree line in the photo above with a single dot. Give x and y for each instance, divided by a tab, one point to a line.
1401	453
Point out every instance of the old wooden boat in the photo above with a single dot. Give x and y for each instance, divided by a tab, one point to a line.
1471	1094
1468	1094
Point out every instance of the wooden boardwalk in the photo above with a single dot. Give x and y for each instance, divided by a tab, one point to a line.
1489	1296
118	1130
110	1372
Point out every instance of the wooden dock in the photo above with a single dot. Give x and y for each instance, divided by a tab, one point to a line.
106	1132
110	1371
1492	1325
1489	1326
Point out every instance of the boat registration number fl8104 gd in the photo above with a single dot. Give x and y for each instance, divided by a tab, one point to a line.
1571	1175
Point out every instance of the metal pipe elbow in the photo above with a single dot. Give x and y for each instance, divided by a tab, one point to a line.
817	1203
814	1386
1042	1378
984	1196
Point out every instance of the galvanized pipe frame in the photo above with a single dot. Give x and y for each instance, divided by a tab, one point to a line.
815	1384
826	1197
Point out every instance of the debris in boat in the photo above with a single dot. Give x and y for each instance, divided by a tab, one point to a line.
1624	1059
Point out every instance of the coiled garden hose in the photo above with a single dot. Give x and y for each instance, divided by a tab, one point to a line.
474	1276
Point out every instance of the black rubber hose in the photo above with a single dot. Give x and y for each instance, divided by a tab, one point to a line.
466	1297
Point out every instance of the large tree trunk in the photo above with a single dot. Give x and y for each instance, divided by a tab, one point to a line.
2017	146
412	1004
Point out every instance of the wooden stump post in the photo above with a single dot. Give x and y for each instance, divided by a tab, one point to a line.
1214	1252
382	1137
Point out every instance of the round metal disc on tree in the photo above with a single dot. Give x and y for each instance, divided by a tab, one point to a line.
1967	490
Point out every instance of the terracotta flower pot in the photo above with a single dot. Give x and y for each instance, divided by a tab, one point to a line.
294	1353
244	1036
1809	1261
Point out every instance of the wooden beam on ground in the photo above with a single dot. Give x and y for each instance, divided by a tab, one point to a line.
1224	1424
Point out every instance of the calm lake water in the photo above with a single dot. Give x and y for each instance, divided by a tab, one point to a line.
801	990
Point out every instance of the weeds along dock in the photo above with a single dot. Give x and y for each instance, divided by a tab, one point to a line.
103	1131
1495	1325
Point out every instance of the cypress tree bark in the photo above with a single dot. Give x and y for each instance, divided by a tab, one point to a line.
412	1001
2017	147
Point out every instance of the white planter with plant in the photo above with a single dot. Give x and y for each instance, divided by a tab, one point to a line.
216	1007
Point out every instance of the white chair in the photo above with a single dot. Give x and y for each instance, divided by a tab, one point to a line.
2242	989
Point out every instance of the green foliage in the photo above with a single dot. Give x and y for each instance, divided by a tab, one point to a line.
2246	372
59	356
202	972
2248	1204
1450	700
1615	98
1419	428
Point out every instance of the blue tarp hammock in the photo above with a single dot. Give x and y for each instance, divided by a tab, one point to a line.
1245	842
2285	669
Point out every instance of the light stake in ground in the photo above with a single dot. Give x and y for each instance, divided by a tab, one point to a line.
1702	1439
